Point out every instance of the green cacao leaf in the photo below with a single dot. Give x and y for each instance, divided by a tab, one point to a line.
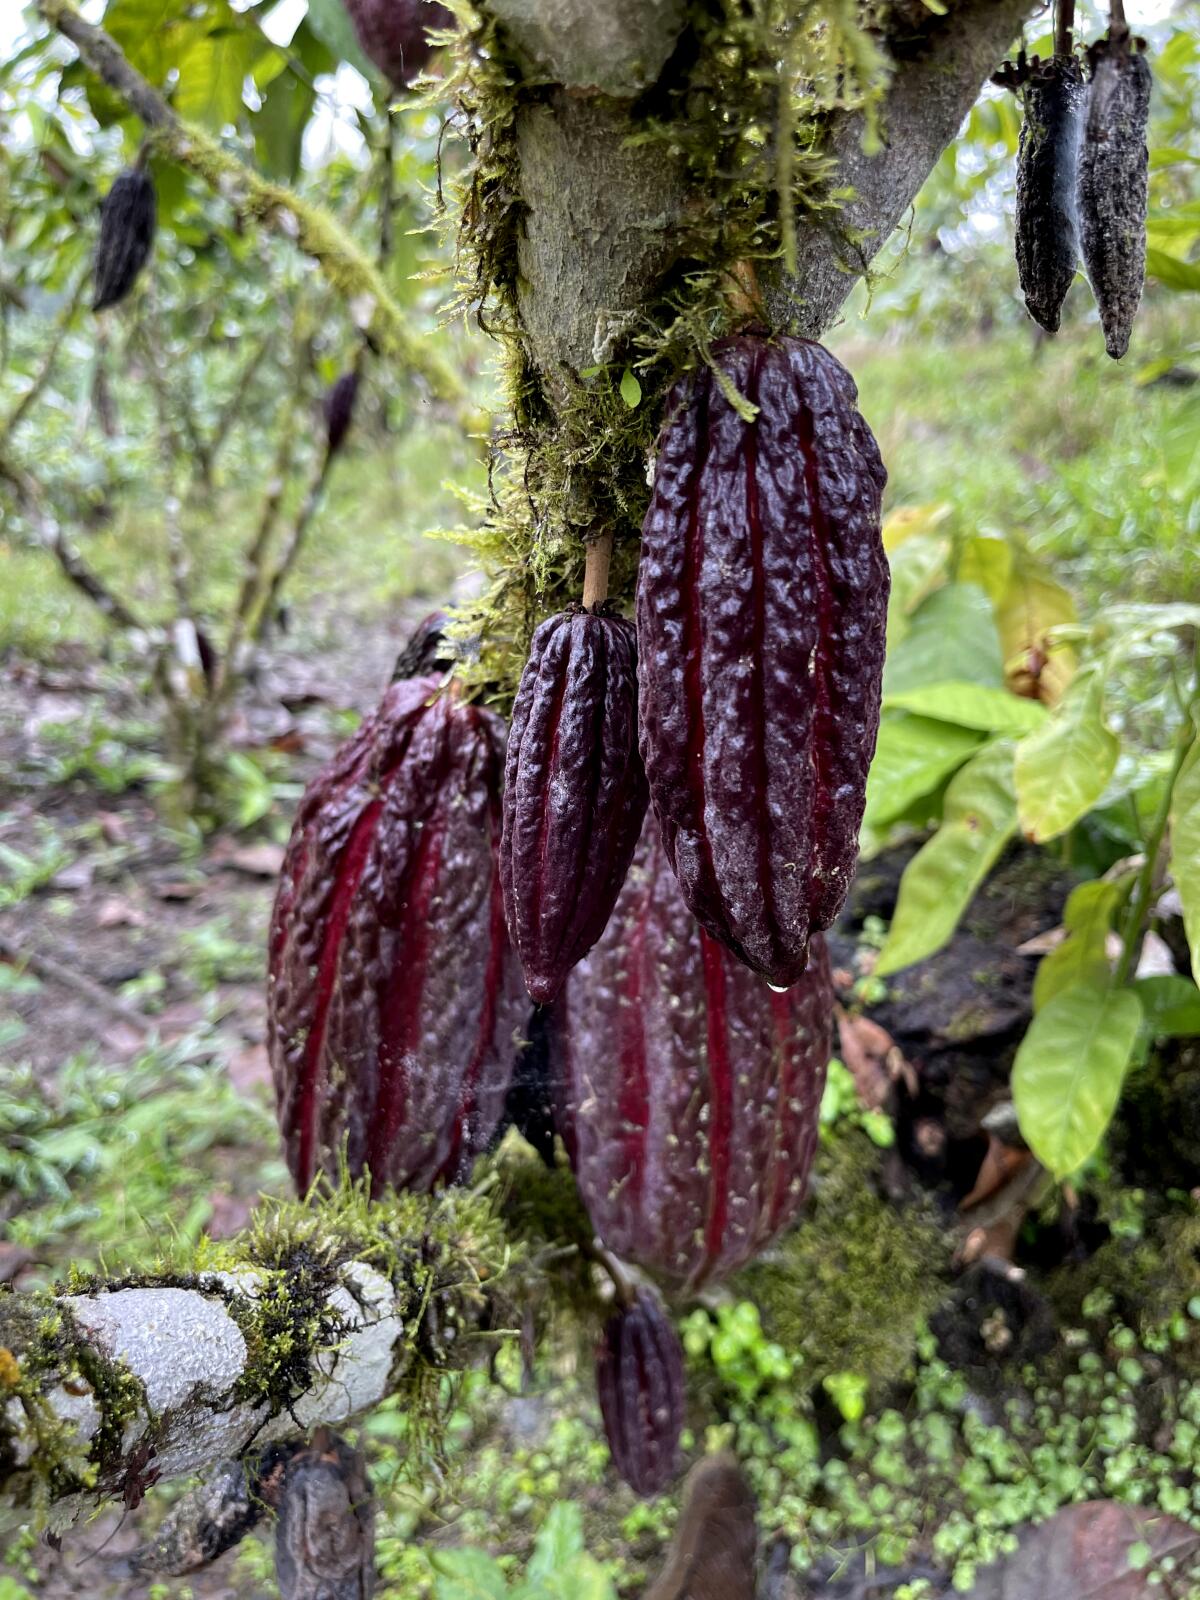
913	757
468	1574
1172	272
951	636
1171	1005
1081	958
979	818
1069	1069
1185	849
972	705
559	1541
1064	767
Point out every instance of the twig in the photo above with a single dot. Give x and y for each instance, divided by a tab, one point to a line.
273	204
171	450
50	536
1064	24
71	978
256	550
291	551
42	377
1116	17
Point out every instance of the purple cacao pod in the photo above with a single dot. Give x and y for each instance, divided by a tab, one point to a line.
761	614
689	1090
574	792
339	410
395	1001
639	1382
128	214
394	34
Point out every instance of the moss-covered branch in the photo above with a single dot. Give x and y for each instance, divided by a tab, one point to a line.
274	205
313	1315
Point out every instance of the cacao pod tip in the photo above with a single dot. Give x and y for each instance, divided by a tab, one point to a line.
640	1386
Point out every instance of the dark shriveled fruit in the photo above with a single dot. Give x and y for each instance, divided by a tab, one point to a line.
574	792
1046	229
639	1382
395	34
1114	185
395	1001
688	1090
339	410
128	214
761	614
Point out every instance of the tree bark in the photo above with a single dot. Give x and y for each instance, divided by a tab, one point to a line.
600	232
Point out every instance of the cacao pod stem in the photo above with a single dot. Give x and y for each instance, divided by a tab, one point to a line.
595	571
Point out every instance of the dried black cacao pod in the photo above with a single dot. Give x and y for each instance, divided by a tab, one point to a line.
428	649
1047	162
639	1381
394	34
395	1001
339	410
688	1090
1114	185
127	219
762	615
529	1107
574	792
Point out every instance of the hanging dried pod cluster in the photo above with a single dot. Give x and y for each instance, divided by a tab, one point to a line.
1082	175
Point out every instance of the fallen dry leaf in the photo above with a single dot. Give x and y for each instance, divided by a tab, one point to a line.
118	912
1083	1553
257	860
1000	1164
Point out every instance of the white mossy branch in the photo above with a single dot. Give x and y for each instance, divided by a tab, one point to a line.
315	1315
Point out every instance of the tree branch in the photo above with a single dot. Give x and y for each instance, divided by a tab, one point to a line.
602	223
274	205
316	1314
50	536
939	73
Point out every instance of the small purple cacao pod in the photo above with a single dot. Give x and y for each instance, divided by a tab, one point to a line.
128	215
639	1382
762	614
339	410
394	34
574	792
1113	191
1047	234
688	1090
395	1001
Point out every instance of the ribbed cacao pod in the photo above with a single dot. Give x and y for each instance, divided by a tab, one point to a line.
394	34
639	1381
574	792
1047	162
761	615
395	1000
339	410
689	1090
1114	185
128	214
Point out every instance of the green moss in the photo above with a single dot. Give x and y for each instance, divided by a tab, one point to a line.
850	1289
